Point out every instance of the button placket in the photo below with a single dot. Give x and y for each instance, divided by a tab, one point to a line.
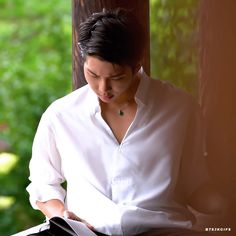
122	180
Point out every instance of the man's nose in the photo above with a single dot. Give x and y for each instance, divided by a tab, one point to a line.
104	85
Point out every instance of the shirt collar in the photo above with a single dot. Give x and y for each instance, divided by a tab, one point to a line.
93	101
142	91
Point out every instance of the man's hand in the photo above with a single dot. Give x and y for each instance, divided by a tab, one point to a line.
55	207
70	215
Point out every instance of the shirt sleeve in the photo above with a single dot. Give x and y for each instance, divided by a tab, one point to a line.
193	170
46	173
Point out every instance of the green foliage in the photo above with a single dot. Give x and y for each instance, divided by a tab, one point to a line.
35	69
173	42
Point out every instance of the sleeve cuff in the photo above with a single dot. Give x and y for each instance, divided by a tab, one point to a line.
43	193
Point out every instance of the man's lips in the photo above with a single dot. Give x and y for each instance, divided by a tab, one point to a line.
106	97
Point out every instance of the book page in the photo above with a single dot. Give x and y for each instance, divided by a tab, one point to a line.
80	228
33	230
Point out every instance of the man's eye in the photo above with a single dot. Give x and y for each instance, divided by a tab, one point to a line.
118	78
93	76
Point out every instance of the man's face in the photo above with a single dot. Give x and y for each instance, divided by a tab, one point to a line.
109	81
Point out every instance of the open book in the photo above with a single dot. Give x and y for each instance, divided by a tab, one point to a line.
59	226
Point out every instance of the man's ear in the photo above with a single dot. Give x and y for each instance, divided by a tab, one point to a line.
136	68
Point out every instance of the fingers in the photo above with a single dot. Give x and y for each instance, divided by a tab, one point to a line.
70	215
87	224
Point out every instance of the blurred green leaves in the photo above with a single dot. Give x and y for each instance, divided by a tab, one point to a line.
173	27
35	69
7	162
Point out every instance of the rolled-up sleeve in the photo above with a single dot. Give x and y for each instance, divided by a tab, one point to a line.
46	174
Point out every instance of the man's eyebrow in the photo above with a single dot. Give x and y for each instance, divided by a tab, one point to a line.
112	76
91	72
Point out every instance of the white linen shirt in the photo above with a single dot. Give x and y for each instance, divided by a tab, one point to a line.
126	188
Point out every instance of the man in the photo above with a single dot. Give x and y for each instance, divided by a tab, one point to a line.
129	147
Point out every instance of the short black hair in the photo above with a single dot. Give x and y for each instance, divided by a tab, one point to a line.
115	36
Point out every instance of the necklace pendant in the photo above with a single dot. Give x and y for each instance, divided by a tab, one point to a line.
121	113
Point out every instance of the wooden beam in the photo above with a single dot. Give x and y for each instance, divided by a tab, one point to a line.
218	90
81	9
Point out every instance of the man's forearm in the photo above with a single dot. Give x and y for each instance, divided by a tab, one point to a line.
51	208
